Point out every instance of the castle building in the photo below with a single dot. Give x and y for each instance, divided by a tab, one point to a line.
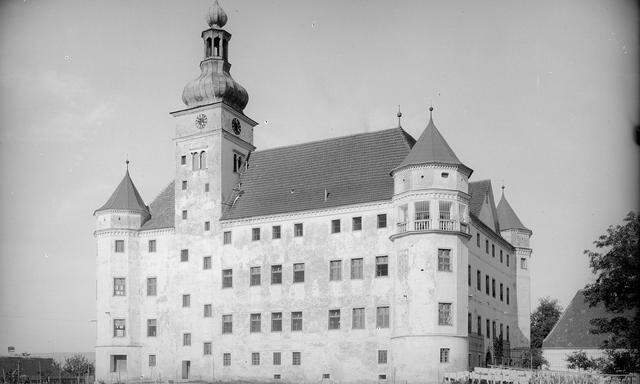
365	258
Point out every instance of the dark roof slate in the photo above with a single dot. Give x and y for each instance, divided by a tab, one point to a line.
478	190
431	147
353	169
162	209
572	329
507	217
125	197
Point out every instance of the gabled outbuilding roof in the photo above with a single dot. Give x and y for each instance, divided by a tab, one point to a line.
125	198
572	331
507	216
322	174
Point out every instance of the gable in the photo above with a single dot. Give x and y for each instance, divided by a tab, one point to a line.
482	204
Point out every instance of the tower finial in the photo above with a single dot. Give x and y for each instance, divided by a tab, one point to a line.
127	162
399	117
216	17
503	187
430	112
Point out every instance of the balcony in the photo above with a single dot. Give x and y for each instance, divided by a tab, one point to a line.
428	225
422	225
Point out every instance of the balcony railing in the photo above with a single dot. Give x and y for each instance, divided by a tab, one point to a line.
427	225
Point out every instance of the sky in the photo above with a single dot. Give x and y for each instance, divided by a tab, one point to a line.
541	96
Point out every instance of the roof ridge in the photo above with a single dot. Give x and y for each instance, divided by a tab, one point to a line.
331	139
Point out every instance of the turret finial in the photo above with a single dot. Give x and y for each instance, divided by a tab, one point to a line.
399	114
503	187
216	17
127	163
430	113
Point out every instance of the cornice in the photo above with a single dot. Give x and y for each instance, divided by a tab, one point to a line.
203	107
464	235
458	167
145	232
227	223
237	140
115	231
432	192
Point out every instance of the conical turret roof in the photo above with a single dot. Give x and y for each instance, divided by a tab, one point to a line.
507	218
432	148
125	198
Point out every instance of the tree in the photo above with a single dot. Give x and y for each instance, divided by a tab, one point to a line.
616	266
543	319
77	365
580	360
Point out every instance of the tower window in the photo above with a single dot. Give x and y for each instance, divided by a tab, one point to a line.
195	161
152	246
444	314
183	160
184	185
507	295
225	49
208	47
216	46
203	160
444	355
238	161
207	225
184	214
444	261
523	263
382	356
119	246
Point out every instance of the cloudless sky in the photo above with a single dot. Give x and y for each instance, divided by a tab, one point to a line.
539	95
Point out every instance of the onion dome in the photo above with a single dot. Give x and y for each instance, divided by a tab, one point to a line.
216	17
214	84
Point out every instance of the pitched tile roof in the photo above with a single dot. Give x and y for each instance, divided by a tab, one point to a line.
162	209
478	191
431	147
353	169
507	217
572	329
125	197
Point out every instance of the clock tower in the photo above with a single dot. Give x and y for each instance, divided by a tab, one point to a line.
213	135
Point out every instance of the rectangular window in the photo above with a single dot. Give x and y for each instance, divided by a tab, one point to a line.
227	324
152	327
356	223
119	328
254	276
493	250
486	284
507	295
206	348
507	259
486	247
206	262
493	328
382	220
501	255
335	226
334	319
445	210
493	287
444	355
184	214
296	358
501	292
422	211
479	280
468	275
227	278
277	358
298	273
256	322
207	226
335	270
184	255
276	232
357	318
186	369
186	301
507	333
255	358
382	356
523	263
119	246
382	317
226	359
382	266
356	269
207	311
119	286
226	237
152	285
186	339
152	246
444	314
206	187
478	240
479	326
255	234
152	360
298	230
276	321
276	274
382	377
488	328
296	321
469	323
184	185
444	260
183	160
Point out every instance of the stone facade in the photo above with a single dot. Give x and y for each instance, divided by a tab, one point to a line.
381	290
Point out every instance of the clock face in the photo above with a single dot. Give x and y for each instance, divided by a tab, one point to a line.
201	121
235	124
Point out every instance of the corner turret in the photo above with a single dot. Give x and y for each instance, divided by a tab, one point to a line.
125	209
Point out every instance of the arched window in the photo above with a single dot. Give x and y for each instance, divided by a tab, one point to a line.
203	160
225	49
195	161
216	46
208	47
